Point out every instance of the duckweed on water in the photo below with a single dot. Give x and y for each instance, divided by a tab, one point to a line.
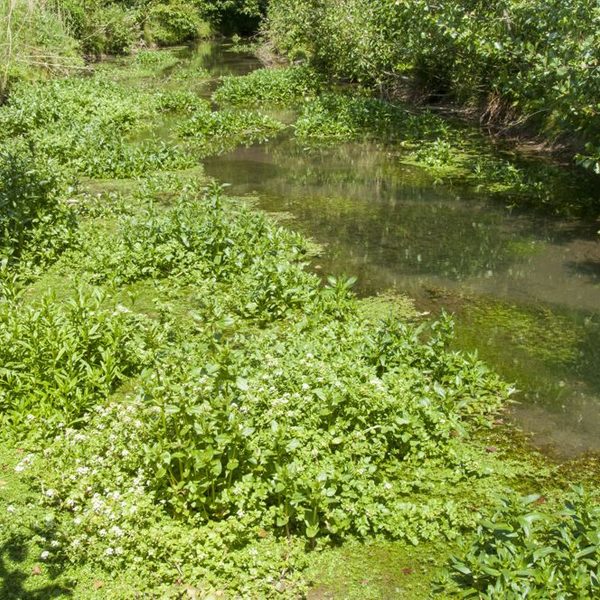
554	342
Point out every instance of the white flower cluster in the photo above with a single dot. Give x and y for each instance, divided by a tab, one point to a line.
26	462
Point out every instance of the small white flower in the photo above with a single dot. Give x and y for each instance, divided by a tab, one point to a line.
305	386
109	552
50	493
44	555
116	531
10	508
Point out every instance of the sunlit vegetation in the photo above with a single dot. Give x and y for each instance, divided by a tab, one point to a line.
529	549
289	412
268	87
185	409
532	64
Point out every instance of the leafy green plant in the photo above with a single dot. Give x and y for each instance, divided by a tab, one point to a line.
268	87
35	223
57	362
524	550
213	132
102	26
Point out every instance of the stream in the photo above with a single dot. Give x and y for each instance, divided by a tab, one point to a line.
524	288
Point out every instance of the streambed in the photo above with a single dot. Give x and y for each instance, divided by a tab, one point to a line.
525	287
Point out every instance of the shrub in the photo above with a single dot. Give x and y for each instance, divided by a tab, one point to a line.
102	27
35	223
176	22
527	550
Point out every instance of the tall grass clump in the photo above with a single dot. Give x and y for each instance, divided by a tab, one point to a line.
34	40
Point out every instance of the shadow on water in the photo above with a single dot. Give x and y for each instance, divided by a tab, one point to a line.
588	268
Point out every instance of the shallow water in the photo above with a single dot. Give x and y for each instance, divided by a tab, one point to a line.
525	288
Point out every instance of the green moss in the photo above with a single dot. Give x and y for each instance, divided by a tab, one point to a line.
384	306
376	570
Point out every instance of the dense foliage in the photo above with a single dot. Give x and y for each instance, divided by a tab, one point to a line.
201	411
266	401
95	127
529	550
33	38
35	222
50	37
533	63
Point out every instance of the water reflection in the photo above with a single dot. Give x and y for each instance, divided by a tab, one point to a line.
525	288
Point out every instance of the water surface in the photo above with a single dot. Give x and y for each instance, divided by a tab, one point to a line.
525	288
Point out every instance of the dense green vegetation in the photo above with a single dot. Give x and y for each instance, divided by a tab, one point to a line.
327	115
39	38
530	550
291	413
186	410
532	63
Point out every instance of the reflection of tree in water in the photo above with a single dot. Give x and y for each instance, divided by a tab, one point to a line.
353	200
426	239
14	580
373	211
588	367
588	268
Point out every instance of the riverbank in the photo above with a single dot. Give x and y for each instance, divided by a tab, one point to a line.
529	67
186	409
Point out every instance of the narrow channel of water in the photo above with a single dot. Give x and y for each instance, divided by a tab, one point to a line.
525	288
